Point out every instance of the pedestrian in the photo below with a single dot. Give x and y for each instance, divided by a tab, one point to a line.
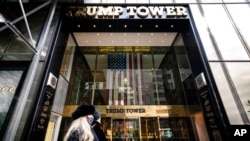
80	130
89	117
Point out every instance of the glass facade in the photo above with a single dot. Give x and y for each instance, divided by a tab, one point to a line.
124	80
224	51
127	76
143	91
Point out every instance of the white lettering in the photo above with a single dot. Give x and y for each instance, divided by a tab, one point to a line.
128	12
156	11
170	10
91	11
240	132
180	11
117	11
131	11
142	11
105	12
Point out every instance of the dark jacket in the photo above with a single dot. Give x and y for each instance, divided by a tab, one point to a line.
98	130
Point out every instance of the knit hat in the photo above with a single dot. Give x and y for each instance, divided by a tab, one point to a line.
83	110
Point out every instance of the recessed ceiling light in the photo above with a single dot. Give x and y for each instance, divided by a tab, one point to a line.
141	26
125	26
78	25
138	34
125	34
172	26
99	41
94	26
110	26
156	26
97	34
86	41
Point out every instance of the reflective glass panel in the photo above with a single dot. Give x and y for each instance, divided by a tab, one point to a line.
210	1
202	28
161	1
239	12
239	73
226	94
223	33
8	92
113	1
92	1
185	1
68	59
234	1
137	1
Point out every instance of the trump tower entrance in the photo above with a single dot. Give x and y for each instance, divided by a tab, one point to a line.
137	65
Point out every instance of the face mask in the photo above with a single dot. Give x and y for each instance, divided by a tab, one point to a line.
90	119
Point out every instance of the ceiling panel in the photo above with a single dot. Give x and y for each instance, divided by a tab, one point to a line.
124	39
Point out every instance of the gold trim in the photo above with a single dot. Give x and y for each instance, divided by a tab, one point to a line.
137	110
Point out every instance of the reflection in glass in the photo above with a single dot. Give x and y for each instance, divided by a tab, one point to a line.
224	34
239	13
7	92
226	95
239	73
202	28
68	59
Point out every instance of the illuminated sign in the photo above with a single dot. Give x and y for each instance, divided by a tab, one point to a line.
129	12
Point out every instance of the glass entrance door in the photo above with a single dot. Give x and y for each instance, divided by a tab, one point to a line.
149	129
125	130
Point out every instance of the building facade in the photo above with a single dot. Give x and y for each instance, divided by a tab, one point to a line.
154	69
